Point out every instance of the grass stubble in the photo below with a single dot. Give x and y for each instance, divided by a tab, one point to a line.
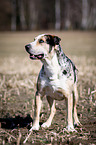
18	77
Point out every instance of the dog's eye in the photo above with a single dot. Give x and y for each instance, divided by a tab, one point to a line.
41	41
34	39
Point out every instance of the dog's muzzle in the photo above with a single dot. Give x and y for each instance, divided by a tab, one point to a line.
33	55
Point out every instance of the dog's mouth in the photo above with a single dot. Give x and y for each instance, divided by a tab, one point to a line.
36	56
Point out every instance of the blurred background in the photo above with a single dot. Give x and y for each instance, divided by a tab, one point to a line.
47	14
74	21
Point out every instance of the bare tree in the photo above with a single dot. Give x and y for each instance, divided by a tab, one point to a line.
57	15
33	15
67	14
13	18
85	12
22	15
92	16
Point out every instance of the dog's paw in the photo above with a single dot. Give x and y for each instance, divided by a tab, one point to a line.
45	125
34	127
78	124
69	129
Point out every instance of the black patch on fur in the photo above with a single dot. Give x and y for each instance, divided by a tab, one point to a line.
42	72
74	69
64	72
52	40
50	48
57	40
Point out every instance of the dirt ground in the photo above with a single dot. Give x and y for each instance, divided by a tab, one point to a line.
18	75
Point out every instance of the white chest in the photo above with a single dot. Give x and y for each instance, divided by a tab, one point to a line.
53	69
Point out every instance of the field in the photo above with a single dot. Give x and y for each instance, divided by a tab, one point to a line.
18	75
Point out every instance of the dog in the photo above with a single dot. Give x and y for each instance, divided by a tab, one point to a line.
57	79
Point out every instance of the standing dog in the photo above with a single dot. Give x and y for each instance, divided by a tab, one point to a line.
57	79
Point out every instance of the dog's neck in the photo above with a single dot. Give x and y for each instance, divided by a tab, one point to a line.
52	67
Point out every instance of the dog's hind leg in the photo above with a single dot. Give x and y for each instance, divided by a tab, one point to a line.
38	103
76	120
52	112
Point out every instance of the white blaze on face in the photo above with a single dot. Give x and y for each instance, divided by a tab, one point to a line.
39	36
39	48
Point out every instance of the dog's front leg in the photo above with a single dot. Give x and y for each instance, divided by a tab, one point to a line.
69	102
52	112
38	103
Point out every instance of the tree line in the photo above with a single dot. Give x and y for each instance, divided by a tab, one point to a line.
49	14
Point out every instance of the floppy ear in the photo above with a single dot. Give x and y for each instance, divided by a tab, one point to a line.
52	40
56	40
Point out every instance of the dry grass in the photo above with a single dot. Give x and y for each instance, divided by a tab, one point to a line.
18	76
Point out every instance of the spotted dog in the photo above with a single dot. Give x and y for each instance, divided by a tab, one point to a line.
57	79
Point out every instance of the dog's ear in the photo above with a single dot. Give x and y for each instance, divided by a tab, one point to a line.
56	40
52	40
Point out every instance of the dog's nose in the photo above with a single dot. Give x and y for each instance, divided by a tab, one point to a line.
27	47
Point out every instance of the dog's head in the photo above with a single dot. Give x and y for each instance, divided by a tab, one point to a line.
43	46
